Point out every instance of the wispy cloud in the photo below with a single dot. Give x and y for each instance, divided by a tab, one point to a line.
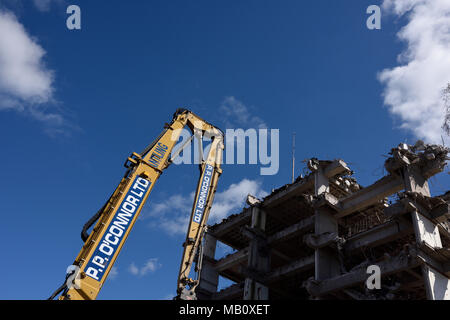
413	88
113	273
26	84
173	215
133	269
234	197
238	115
44	5
150	266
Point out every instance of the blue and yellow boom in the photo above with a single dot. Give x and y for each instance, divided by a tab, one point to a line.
114	221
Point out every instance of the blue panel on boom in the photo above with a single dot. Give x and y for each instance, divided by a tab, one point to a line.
115	232
203	194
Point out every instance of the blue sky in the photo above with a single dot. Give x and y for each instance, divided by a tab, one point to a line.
104	91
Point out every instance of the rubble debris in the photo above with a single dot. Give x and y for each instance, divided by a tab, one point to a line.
420	154
306	244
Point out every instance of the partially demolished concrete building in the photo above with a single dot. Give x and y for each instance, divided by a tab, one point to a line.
321	236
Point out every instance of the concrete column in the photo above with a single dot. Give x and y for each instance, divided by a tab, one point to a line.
321	183
415	182
437	285
258	259
326	258
427	233
209	277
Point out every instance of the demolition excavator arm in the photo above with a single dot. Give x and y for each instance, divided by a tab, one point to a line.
114	221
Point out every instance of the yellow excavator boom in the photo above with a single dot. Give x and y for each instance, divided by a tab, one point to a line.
115	220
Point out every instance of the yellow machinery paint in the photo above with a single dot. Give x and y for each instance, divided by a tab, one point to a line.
116	219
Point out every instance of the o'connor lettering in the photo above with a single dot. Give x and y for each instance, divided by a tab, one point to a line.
116	230
204	189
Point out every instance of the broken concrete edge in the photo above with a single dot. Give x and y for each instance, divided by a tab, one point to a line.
421	155
437	208
337	169
326	239
394	183
410	257
406	259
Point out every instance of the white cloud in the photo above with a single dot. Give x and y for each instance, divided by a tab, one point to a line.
238	115
413	88
26	85
22	73
175	202
175	225
400	7
113	273
133	269
150	266
44	5
173	215
233	198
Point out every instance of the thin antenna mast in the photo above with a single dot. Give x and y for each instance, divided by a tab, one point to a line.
293	157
